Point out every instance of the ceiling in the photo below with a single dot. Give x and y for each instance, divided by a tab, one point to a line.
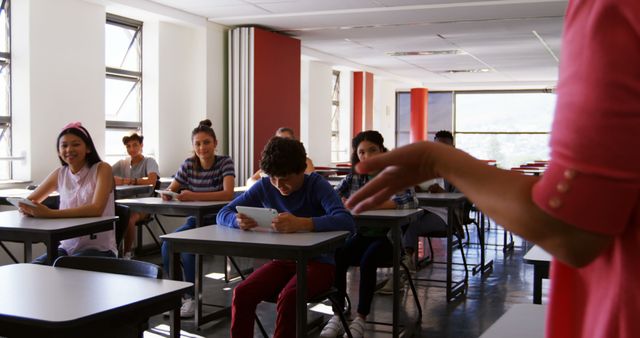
506	44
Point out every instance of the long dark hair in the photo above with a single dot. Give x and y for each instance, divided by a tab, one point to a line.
367	135
78	130
203	127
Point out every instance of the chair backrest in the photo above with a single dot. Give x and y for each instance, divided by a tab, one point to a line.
110	265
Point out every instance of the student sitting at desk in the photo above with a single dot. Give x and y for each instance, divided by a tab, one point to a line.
202	177
135	170
304	203
369	247
85	185
286	133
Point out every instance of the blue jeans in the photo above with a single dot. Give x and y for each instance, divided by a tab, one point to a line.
88	252
188	260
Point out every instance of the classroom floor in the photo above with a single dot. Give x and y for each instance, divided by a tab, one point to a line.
487	299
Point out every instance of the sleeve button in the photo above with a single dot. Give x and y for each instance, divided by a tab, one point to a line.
555	202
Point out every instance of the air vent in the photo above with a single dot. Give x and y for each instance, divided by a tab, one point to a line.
429	52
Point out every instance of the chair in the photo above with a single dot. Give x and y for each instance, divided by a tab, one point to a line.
123	213
146	223
110	265
331	294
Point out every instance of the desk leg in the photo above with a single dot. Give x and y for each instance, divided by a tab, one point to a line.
450	223
174	270
397	247
198	291
27	251
52	251
537	284
301	297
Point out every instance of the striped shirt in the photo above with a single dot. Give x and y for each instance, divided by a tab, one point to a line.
205	180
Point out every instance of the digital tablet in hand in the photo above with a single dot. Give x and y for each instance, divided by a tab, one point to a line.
168	193
262	216
17	200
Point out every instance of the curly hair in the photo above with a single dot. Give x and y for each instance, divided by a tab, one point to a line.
444	134
282	157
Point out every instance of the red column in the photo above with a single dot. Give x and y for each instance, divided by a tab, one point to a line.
358	100
419	101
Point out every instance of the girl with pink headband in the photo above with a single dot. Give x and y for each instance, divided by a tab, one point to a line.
85	185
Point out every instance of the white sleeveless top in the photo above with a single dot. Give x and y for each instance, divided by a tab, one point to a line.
77	190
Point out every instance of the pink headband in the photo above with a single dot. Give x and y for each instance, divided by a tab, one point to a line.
75	125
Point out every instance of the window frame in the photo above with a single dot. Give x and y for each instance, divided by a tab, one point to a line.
6	122
126	75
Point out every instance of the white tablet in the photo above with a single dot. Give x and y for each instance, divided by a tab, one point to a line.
168	193
17	200
262	216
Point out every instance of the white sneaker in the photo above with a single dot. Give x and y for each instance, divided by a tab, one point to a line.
333	328
185	310
387	288
357	328
409	262
127	256
188	308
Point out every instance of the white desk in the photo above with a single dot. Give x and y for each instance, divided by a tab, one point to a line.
155	205
128	191
394	219
541	261
15	227
43	301
521	320
225	241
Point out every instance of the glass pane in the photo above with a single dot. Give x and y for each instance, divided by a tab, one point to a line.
5	151
505	112
508	150
4	90
114	149
120	52
4	36
122	100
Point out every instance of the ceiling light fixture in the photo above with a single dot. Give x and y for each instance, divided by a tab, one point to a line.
455	71
428	52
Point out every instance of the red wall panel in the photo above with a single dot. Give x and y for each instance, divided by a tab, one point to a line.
276	87
358	92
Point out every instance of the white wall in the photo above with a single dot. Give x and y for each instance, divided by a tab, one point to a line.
384	110
58	77
315	110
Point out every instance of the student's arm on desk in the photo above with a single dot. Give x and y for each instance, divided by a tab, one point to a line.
228	215
503	195
224	195
336	215
104	187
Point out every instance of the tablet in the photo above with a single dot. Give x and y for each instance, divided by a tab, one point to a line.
17	200
262	216
168	192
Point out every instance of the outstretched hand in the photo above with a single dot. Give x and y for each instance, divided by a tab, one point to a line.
399	169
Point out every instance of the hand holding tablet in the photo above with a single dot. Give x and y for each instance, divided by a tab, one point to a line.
169	193
262	216
16	201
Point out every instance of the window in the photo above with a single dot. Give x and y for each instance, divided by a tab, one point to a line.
403	118
123	87
5	90
509	127
336	151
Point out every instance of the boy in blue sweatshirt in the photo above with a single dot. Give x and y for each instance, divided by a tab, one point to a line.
304	203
